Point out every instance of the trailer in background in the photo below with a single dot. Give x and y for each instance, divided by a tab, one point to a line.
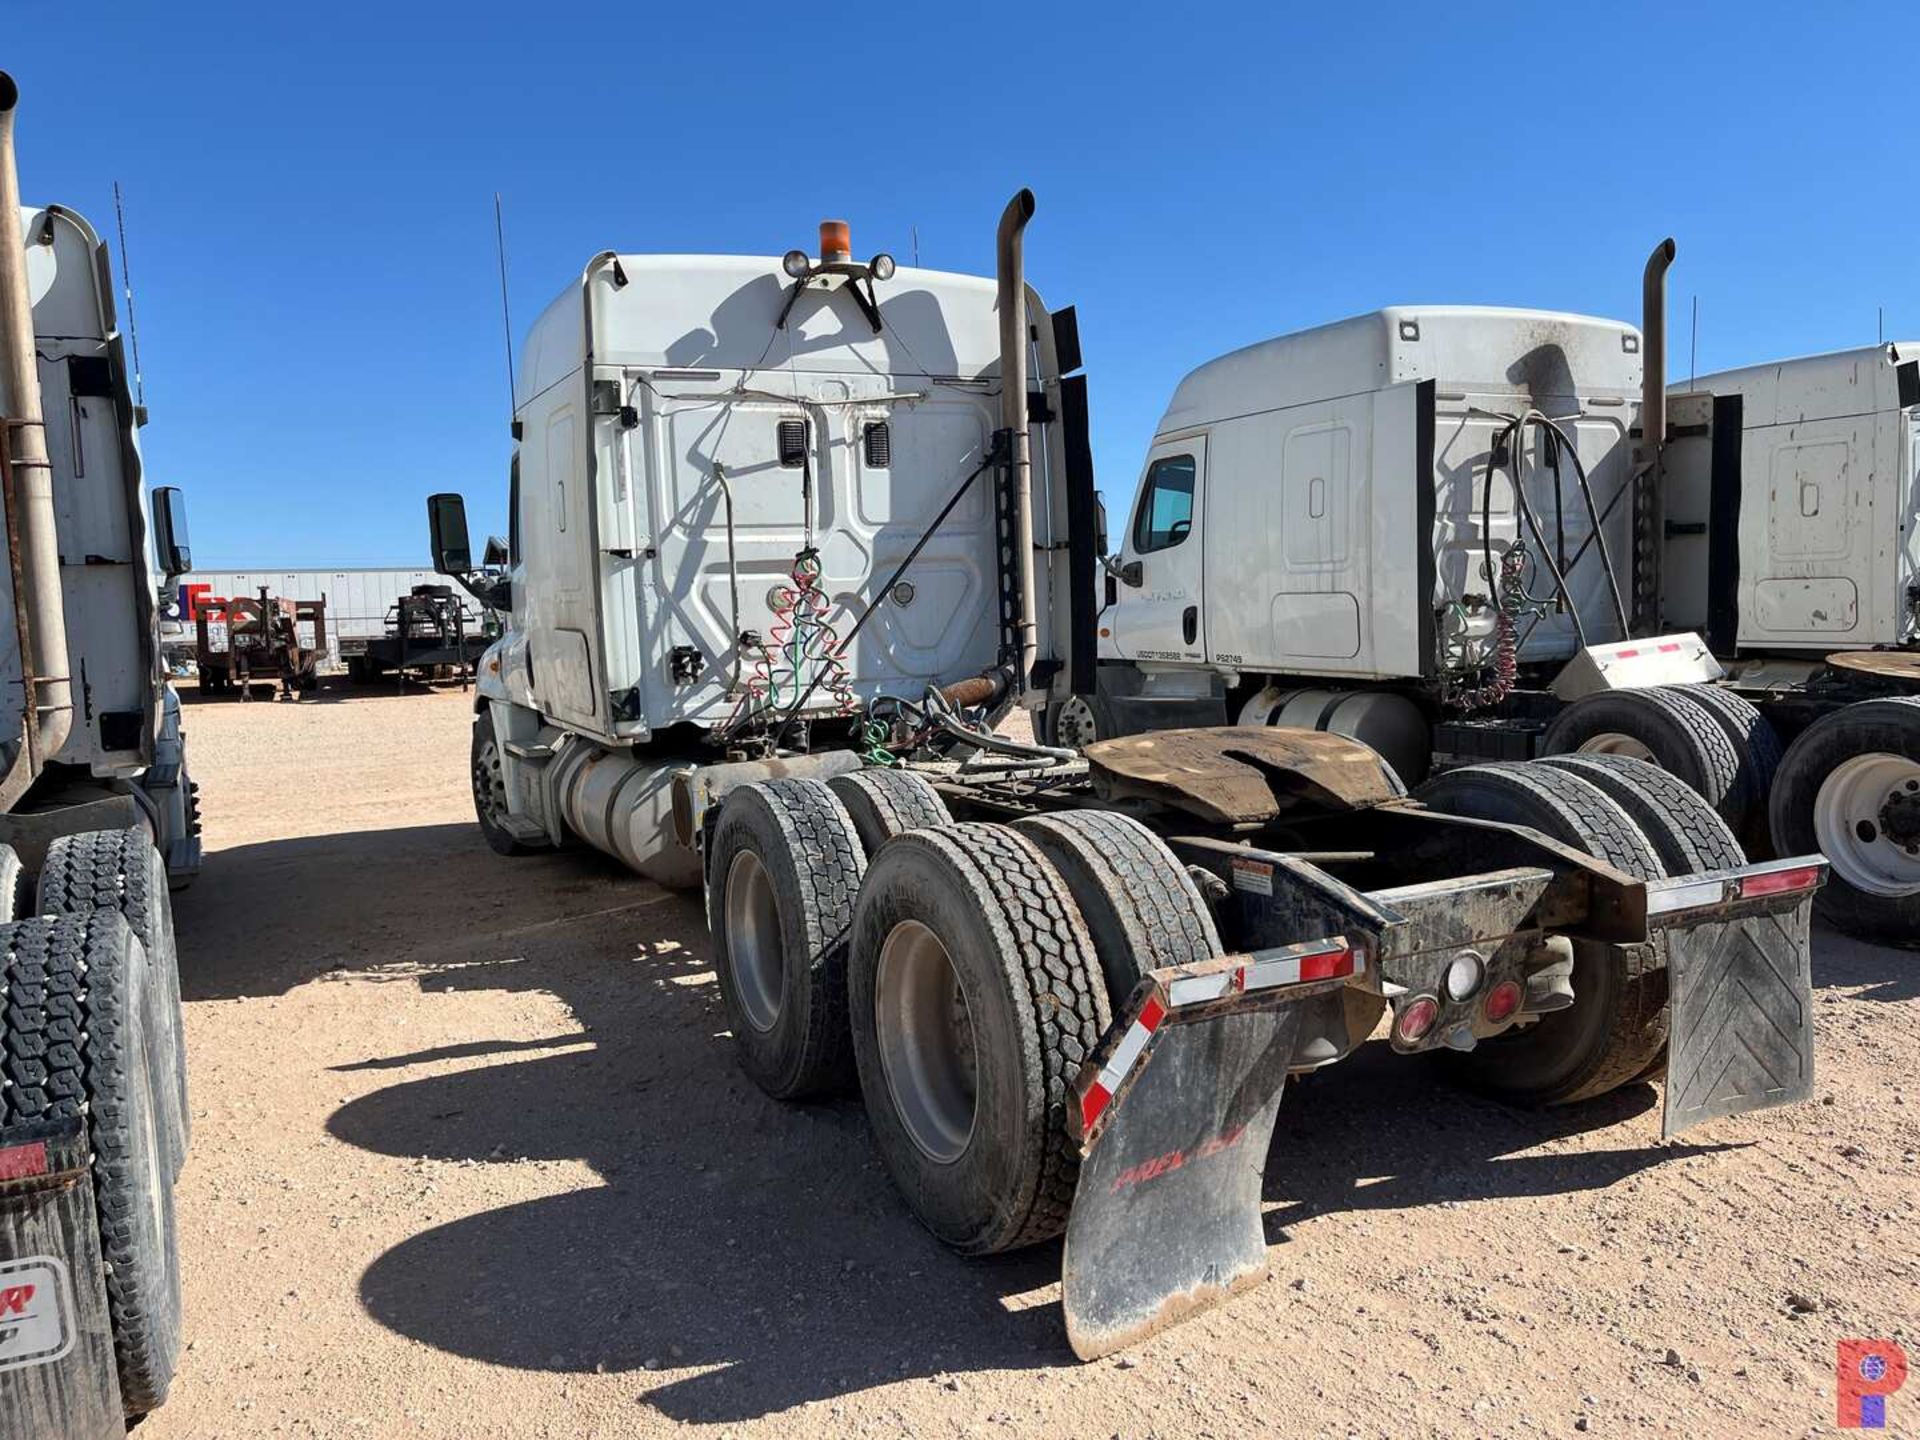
359	599
246	636
431	635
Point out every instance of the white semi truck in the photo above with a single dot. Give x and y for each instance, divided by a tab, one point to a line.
788	535
1466	534
97	823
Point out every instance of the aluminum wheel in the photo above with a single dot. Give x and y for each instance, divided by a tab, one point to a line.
1612	742
1073	724
753	940
925	1034
1867	819
489	783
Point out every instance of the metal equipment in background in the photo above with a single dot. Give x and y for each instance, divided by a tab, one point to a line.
431	635
246	636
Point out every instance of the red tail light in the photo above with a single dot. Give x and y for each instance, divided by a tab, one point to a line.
1416	1018
1502	1001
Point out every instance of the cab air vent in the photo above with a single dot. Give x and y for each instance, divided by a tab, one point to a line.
879	446
793	443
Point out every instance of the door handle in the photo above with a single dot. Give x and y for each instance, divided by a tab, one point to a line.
1190	623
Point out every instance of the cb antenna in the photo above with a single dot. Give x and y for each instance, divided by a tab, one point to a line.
126	280
506	316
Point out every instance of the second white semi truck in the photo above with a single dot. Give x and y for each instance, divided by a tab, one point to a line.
1468	534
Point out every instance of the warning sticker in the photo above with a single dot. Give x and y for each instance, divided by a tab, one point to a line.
36	1312
1253	875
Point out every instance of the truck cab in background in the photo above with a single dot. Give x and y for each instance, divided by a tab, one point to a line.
1472	536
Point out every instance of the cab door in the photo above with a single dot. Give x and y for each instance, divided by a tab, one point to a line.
1158	614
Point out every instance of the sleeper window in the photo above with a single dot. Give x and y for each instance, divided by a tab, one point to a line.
1166	508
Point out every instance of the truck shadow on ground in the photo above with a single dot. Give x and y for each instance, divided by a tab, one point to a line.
760	1244
1881	972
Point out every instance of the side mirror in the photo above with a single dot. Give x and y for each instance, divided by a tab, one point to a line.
495	554
447	529
1133	573
170	531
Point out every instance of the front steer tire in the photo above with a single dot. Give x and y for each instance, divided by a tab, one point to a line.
485	769
74	1045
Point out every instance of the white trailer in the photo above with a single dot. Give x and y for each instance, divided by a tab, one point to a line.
789	535
97	821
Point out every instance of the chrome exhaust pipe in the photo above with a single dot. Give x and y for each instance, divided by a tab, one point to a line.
33	543
1653	342
1010	270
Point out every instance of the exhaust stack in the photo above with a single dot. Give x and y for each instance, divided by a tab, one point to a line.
38	594
1653	337
1010	269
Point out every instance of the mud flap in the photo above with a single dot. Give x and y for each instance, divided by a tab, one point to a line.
1177	1113
1741	997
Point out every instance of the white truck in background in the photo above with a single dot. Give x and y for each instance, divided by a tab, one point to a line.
788	535
97	824
1444	531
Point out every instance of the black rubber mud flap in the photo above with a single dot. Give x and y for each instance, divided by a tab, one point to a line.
1177	1112
1741	996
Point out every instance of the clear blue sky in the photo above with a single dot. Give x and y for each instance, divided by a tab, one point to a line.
310	192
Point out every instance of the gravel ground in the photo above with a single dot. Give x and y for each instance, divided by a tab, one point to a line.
472	1159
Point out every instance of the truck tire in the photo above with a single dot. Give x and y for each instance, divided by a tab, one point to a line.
13	886
1756	750
73	1044
1663	727
976	999
1617	1025
1077	721
1141	906
1849	787
1686	833
490	792
886	803
121	870
782	875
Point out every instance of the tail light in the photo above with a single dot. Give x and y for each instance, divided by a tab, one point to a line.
1416	1018
1502	1001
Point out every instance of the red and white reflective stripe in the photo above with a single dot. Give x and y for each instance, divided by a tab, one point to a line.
1672	647
1756	882
18	1162
1264	970
1099	1094
1779	882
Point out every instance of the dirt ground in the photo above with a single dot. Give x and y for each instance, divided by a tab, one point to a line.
472	1159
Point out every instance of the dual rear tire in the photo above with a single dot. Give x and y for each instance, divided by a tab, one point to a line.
961	974
1641	821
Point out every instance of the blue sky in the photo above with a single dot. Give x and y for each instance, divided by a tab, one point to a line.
310	192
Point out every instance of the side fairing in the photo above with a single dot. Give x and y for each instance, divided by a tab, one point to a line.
106	565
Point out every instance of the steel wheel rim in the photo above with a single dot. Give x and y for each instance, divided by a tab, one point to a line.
1849	822
1073	724
924	1026
754	948
1612	742
490	783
